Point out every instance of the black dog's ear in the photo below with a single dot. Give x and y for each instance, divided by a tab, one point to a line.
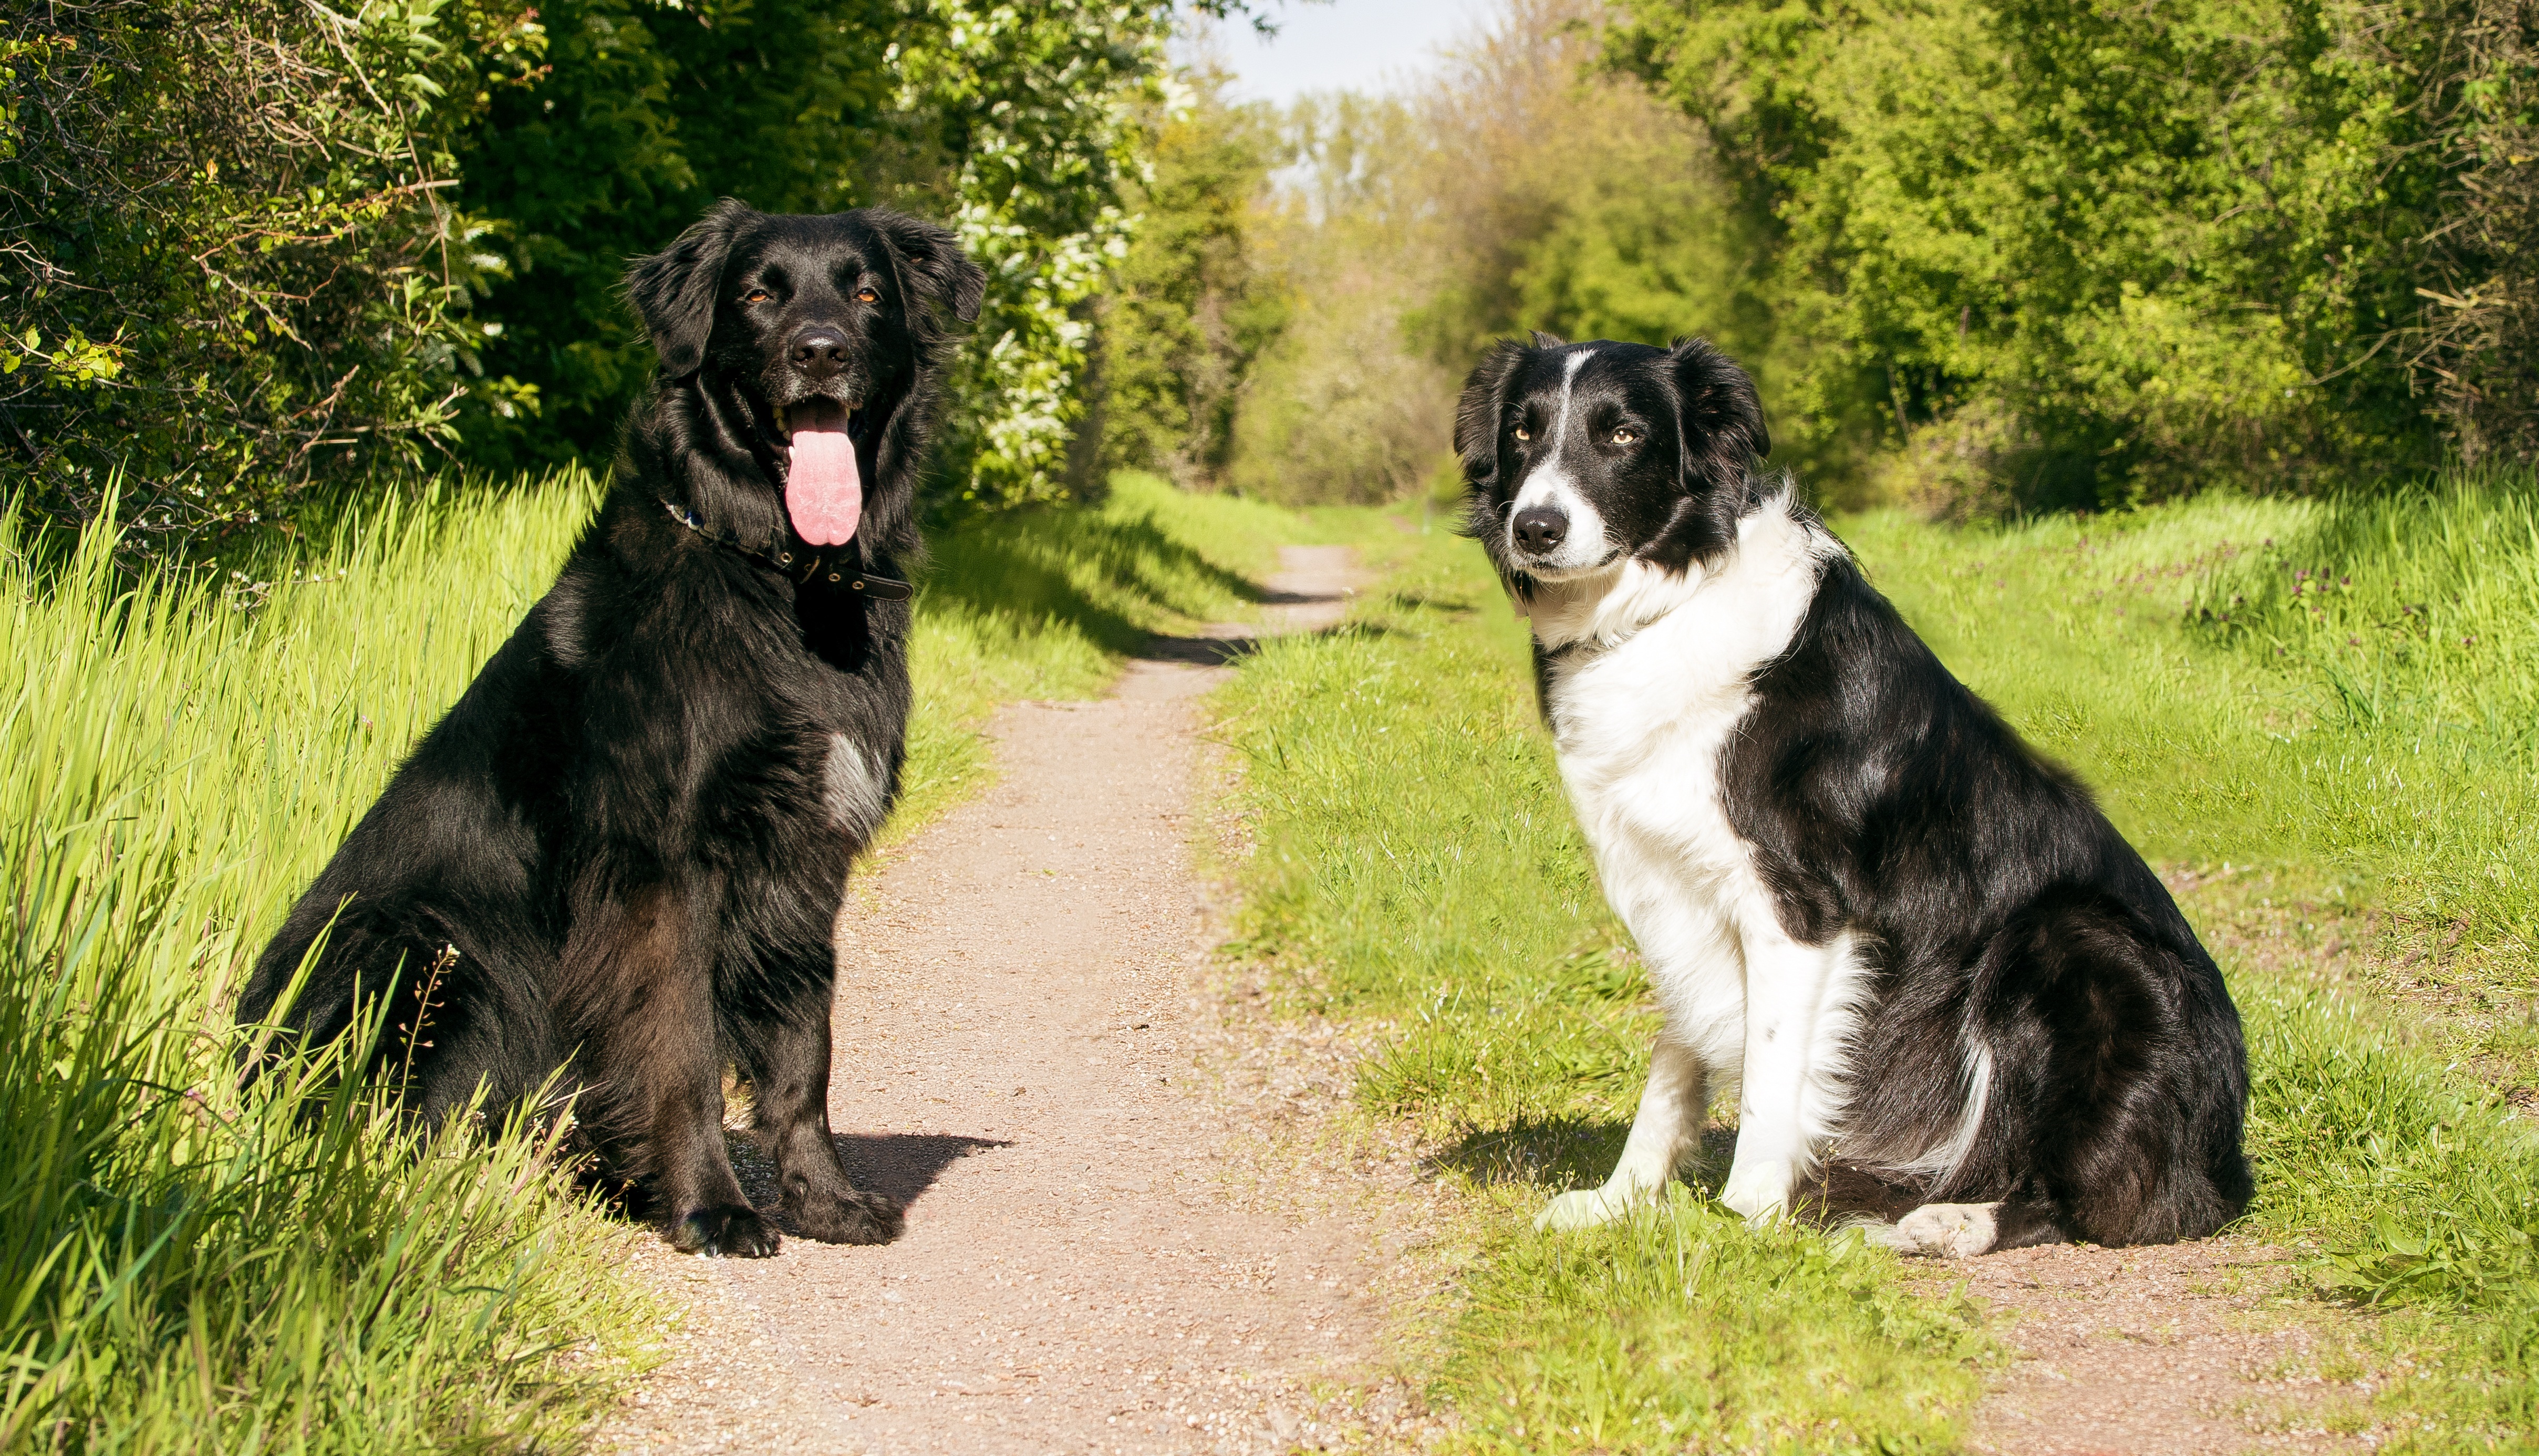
674	289
1476	414
935	268
1544	340
1722	420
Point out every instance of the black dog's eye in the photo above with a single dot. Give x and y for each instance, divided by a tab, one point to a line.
1626	436
1521	433
756	296
867	295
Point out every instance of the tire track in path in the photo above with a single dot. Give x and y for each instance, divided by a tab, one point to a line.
1018	1016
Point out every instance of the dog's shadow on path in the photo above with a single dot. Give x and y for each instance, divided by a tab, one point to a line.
900	1166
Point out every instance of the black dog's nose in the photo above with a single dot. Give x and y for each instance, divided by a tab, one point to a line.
820	350
1540	528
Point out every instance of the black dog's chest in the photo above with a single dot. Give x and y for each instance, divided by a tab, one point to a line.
837	628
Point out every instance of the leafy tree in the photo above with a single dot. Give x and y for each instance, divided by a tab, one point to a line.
1018	124
228	261
1193	303
2480	345
2145	246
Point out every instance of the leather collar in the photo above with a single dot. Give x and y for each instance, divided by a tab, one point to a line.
798	563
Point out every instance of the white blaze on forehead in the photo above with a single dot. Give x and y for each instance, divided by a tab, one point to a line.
1568	386
1548	485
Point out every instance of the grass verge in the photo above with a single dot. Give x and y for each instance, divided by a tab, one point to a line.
1417	871
187	1268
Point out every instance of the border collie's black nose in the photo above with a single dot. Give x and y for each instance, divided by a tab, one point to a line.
820	350
1540	528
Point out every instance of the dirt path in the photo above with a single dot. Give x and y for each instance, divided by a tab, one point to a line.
1018	1016
2191	1349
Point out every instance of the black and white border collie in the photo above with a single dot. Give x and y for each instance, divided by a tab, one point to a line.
1955	1005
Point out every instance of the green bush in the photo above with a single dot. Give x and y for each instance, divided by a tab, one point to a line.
1016	124
228	264
247	248
1193	303
2170	241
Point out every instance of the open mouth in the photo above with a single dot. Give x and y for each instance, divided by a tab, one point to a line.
824	488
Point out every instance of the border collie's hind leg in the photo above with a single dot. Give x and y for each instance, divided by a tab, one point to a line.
1668	1125
2123	1076
787	1062
1964	1230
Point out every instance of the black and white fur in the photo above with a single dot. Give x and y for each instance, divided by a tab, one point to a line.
623	851
1955	1005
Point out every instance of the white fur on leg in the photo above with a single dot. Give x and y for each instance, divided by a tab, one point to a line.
1945	1230
1669	1118
1792	1091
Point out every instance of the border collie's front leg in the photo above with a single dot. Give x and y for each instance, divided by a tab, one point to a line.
1791	991
1668	1125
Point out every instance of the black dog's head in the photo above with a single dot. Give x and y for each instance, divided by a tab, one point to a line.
810	338
1579	457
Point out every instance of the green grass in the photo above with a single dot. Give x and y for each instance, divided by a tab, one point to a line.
2348	688
184	1267
1419	874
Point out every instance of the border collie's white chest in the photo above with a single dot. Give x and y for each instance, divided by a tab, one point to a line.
1644	701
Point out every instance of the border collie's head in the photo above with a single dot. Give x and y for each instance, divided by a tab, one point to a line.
1579	457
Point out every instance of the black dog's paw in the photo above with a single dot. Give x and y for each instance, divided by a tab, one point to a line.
726	1230
847	1218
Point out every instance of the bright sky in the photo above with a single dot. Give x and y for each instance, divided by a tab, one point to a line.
1344	46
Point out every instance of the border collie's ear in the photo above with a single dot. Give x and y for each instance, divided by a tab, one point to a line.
1544	340
674	289
1722	421
1476	414
936	268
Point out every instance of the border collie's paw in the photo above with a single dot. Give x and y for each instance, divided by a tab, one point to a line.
847	1218
1583	1207
1948	1230
726	1230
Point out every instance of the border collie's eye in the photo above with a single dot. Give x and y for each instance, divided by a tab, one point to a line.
1626	436
867	295
756	296
1521	433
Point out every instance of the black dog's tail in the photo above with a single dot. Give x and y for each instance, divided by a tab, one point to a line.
414	992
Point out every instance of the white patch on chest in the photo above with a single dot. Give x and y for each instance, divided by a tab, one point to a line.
855	793
1643	706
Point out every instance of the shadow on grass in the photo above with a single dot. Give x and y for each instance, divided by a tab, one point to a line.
1420	601
996	567
1566	1153
1212	651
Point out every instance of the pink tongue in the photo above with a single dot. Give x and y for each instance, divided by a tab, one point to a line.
823	491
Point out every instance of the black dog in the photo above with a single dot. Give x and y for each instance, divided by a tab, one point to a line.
623	852
1950	995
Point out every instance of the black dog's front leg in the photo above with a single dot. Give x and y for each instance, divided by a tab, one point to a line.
788	1074
639	988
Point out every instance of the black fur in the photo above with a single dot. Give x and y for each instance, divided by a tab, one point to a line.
621	852
1880	794
1877	795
